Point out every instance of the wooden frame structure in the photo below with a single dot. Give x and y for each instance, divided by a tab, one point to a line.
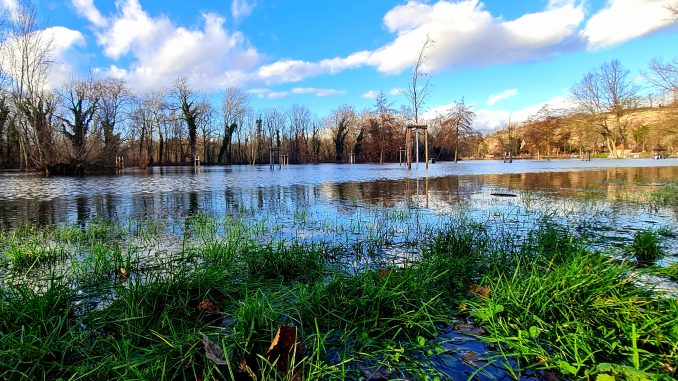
408	142
272	158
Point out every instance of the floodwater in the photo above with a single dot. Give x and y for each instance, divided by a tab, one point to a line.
604	195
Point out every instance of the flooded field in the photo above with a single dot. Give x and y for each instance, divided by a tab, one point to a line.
610	197
464	271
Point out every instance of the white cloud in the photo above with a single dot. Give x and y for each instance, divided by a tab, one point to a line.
317	92
62	42
286	71
488	120
465	34
241	9
506	94
623	20
270	94
395	91
87	9
458	29
12	6
372	94
210	56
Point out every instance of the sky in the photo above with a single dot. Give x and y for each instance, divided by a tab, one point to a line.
505	57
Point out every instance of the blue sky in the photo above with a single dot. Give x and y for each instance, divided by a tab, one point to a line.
505	57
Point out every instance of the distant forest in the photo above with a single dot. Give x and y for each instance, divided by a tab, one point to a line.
98	123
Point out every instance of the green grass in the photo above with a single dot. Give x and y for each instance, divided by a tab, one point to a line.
645	247
552	304
577	312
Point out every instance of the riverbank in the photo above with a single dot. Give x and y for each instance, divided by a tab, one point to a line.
121	301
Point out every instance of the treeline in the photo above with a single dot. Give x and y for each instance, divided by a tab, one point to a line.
610	116
93	124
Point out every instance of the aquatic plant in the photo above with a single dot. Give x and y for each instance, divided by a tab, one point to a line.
646	246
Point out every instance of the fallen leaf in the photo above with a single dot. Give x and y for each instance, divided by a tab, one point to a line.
213	351
470	356
208	308
667	368
244	372
122	272
481	291
384	272
286	349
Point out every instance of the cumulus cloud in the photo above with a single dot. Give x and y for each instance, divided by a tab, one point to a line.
270	94
506	94
60	41
317	92
241	9
372	94
489	120
286	71
464	34
394	91
87	9
210	56
623	20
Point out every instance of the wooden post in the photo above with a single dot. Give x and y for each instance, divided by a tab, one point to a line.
408	148
426	154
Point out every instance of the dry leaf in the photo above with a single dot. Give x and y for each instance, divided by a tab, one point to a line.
385	272
244	372
286	348
667	368
122	273
208	308
481	291
213	351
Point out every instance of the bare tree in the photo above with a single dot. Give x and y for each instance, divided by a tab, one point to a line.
26	61
80	100
606	93
343	119
457	126
540	129
114	96
235	105
664	76
300	121
418	89
190	112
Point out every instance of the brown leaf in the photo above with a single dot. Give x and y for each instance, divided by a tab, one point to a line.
208	308
244	372
668	368
286	349
481	291
385	272
470	356
122	273
213	351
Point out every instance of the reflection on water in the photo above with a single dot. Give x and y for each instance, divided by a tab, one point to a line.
570	191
